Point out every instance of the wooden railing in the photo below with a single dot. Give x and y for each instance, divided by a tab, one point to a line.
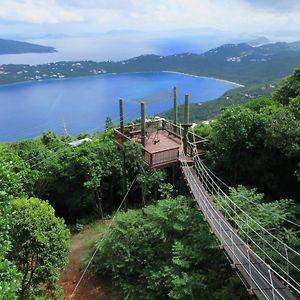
161	158
165	157
120	138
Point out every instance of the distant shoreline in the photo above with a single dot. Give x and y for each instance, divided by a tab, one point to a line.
115	73
199	76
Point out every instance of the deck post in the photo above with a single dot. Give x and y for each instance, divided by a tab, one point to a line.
184	138
175	104
143	123
124	175
186	109
121	116
186	122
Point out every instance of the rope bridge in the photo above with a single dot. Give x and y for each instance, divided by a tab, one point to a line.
267	277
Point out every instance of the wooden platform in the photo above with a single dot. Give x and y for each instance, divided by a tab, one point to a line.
162	142
161	149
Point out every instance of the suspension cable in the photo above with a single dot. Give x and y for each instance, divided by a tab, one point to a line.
102	238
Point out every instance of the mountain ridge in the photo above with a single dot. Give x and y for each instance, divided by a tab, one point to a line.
239	63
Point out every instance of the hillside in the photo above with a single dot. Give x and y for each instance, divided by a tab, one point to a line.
241	63
16	47
210	109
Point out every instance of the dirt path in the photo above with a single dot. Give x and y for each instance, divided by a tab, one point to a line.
90	287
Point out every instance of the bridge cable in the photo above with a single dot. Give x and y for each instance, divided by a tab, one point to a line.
102	238
242	196
241	253
251	228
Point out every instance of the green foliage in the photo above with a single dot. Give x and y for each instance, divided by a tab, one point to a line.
233	141
261	138
166	190
51	140
289	89
203	129
260	104
75	179
283	133
209	110
270	216
164	252
134	157
150	181
16	178
40	244
9	277
96	164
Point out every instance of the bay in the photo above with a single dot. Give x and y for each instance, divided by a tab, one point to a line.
82	104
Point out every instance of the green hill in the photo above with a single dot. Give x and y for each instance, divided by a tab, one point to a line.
241	63
17	47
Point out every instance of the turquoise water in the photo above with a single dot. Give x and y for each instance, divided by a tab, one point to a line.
83	104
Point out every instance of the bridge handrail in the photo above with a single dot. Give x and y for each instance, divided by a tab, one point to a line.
247	235
246	214
263	251
247	259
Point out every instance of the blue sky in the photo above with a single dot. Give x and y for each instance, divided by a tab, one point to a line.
70	16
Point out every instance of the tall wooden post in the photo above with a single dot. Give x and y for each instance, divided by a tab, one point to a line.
121	115
186	122
185	138
124	173
143	125
175	111
175	104
186	109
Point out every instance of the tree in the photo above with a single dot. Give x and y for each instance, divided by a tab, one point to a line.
203	129
163	253
271	216
283	132
150	180
9	276
108	123
289	88
234	141
16	177
258	145
40	244
95	167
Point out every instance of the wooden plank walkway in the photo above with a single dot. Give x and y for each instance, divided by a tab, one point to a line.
262	281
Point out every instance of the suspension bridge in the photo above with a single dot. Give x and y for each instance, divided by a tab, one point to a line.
268	266
263	280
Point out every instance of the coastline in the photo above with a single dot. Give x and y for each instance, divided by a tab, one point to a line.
199	76
115	73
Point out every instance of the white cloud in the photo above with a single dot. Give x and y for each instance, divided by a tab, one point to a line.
275	5
35	11
232	15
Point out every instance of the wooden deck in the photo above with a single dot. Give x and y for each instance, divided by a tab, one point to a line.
162	142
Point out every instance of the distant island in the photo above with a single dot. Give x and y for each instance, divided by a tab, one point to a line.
241	63
17	47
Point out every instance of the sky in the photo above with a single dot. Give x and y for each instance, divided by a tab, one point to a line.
38	17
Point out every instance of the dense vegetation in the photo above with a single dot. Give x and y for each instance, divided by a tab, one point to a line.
258	144
163	250
40	244
166	251
210	109
34	243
